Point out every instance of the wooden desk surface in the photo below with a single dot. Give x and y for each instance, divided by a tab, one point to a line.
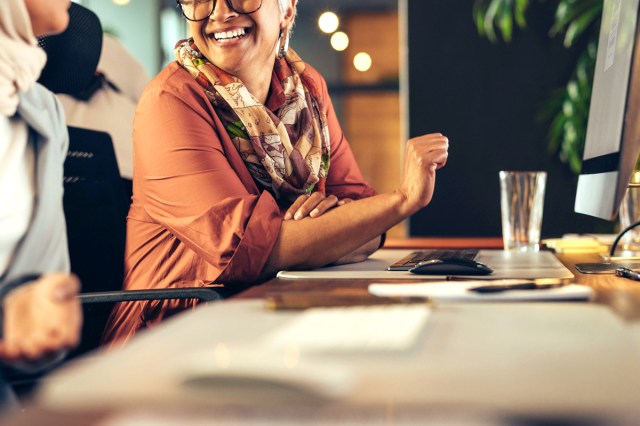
621	294
442	242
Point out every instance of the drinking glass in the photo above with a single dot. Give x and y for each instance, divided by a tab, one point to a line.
522	203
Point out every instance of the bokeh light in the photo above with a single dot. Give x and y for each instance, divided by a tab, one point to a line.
339	41
328	22
362	61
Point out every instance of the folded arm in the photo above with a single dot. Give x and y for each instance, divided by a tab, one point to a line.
317	241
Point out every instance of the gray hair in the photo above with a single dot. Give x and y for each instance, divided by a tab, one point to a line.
284	4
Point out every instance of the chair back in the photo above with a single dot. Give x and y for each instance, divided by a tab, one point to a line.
95	206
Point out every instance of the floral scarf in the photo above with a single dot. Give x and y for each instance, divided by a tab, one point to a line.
287	153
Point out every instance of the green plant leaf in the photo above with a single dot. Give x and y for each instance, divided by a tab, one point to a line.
556	133
478	12
570	10
567	109
519	12
505	21
575	163
490	17
573	90
578	26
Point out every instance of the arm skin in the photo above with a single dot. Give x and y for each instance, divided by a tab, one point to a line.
315	242
361	253
315	205
312	242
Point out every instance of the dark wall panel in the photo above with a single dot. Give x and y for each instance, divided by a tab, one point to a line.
486	98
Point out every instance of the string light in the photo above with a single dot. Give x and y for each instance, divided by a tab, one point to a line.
362	62
328	22
339	41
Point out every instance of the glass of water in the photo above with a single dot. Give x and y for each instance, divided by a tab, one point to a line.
522	203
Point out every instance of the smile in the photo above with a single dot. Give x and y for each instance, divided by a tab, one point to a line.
227	36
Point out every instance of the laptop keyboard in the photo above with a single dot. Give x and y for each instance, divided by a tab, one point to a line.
416	257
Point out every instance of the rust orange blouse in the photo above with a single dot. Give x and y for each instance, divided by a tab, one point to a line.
197	217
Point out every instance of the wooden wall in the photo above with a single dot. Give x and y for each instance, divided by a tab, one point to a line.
372	121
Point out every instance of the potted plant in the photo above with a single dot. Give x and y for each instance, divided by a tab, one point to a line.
567	109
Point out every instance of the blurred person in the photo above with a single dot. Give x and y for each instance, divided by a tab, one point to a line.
122	68
89	85
242	169
40	313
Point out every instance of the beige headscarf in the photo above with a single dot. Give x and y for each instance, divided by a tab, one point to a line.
21	60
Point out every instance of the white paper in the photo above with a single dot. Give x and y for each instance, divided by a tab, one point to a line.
457	291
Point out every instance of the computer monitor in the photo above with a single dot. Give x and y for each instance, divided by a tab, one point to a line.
613	131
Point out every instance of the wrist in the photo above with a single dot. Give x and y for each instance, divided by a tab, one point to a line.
11	286
402	205
9	291
16	293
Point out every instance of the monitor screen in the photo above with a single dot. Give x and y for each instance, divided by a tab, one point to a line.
613	131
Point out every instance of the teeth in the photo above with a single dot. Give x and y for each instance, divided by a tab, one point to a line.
228	35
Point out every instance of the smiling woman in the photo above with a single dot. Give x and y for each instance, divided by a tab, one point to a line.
241	168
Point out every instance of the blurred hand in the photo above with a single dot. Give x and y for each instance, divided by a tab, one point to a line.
41	318
313	205
423	156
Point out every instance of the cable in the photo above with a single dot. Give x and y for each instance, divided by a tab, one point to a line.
620	235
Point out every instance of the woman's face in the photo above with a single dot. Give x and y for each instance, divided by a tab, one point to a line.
252	48
48	16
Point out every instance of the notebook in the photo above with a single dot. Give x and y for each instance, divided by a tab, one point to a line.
505	265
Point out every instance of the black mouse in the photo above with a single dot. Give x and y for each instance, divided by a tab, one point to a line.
451	266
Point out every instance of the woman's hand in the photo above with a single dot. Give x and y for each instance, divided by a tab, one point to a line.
313	205
41	318
423	156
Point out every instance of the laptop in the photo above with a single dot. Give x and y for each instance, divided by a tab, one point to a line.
505	264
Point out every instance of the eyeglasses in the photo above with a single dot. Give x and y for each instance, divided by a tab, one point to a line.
199	10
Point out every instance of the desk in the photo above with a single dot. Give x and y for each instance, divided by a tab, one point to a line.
482	363
623	295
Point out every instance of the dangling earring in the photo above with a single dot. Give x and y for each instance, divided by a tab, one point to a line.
283	43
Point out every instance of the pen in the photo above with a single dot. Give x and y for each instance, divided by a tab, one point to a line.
628	273
518	286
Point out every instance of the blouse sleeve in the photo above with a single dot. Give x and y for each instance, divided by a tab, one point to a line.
188	185
345	179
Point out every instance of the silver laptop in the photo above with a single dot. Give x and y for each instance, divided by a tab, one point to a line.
505	264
